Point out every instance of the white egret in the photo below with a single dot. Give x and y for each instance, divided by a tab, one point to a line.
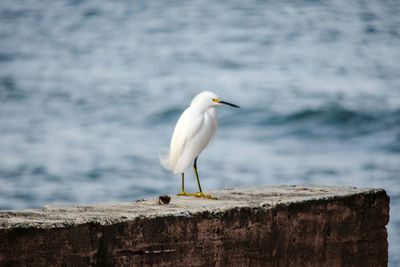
194	130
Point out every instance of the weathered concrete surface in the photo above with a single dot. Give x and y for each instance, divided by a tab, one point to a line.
257	226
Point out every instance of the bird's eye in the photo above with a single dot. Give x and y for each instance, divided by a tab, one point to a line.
216	100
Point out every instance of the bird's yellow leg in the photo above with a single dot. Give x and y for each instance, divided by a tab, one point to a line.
183	193
197	175
200	194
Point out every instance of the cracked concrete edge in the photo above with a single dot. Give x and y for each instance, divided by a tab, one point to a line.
265	197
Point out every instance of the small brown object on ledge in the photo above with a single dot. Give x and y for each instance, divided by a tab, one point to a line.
164	199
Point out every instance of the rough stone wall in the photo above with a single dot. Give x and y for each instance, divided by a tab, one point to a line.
325	229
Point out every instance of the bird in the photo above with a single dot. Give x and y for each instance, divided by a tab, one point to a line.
194	131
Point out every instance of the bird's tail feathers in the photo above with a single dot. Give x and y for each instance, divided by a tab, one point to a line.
165	162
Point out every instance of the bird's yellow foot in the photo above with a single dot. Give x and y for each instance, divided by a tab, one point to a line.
186	194
202	195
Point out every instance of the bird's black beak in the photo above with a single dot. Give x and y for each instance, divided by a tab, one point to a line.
229	104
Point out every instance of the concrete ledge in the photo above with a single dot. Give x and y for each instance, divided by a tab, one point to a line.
256	226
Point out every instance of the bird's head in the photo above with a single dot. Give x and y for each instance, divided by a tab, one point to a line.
208	99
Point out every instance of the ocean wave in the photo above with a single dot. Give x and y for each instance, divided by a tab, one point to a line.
324	122
337	117
166	116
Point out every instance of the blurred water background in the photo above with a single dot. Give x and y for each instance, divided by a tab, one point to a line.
90	92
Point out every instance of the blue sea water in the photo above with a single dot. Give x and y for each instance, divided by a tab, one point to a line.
90	92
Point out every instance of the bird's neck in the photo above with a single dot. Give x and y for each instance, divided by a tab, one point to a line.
201	110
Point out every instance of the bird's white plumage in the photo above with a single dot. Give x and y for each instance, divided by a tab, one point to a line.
194	130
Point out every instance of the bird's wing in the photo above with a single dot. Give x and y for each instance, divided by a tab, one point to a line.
187	126
196	141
